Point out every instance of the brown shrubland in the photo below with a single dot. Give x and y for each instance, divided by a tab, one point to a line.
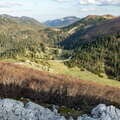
17	81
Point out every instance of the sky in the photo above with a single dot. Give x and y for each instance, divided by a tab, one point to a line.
43	10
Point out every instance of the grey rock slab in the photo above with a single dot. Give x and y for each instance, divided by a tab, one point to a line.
15	110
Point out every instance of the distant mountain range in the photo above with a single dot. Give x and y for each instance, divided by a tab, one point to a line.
7	19
62	22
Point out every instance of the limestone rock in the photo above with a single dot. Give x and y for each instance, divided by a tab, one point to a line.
15	110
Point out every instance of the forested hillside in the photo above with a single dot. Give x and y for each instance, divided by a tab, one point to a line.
77	29
26	37
98	48
25	27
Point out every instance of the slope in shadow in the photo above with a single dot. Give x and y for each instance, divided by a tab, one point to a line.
41	87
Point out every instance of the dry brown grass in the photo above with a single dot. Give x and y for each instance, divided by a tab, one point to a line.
17	81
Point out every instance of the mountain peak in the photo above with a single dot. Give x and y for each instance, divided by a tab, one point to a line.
91	16
108	16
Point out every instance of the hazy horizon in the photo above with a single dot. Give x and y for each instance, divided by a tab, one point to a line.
54	9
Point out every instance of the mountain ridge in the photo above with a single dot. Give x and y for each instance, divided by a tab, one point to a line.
4	18
62	22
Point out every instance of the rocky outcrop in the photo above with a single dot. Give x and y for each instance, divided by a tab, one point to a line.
14	110
103	112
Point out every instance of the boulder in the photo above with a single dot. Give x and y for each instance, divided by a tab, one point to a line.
103	112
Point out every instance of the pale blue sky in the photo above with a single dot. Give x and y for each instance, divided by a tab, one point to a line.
51	9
